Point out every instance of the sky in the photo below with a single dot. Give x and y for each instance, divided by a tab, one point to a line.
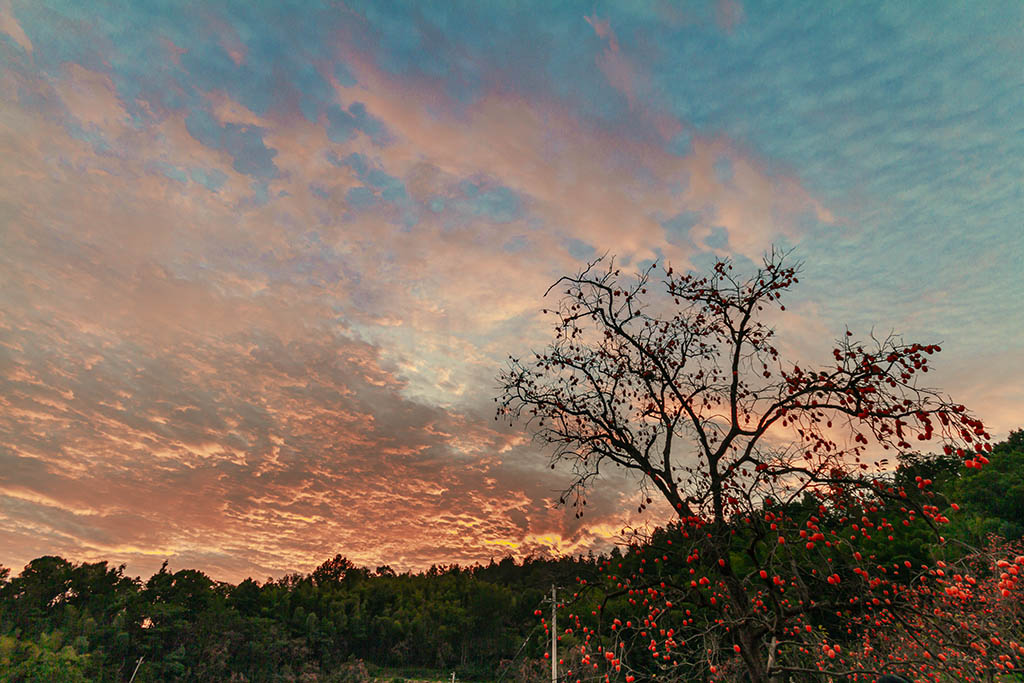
261	262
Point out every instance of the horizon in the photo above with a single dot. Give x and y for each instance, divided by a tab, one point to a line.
260	266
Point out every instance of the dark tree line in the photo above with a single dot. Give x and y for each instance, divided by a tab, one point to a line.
66	621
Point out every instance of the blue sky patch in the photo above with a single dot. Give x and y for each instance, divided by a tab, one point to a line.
243	143
499	204
212	179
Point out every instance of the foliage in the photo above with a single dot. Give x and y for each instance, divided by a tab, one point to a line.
93	623
42	660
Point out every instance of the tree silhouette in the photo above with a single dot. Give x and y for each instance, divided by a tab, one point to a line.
334	570
773	468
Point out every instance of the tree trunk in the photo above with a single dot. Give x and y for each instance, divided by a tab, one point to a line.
751	654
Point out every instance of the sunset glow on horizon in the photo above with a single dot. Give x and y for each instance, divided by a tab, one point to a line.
260	263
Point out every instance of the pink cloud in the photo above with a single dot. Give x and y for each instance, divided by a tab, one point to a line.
609	189
9	25
729	14
614	65
91	98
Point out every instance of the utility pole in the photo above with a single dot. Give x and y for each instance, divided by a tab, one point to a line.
137	665
554	636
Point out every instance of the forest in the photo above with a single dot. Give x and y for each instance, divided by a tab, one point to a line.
66	621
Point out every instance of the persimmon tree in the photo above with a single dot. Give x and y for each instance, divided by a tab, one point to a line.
774	468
